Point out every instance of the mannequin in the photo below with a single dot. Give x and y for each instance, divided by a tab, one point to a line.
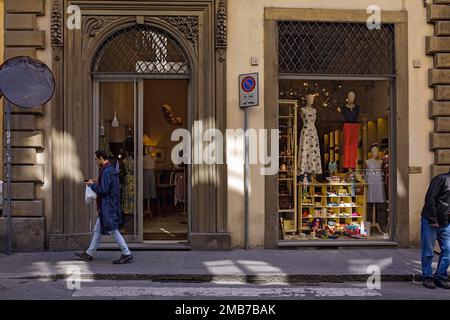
129	143
149	178
350	112
309	160
374	176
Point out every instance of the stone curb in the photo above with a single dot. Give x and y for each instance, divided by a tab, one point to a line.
251	279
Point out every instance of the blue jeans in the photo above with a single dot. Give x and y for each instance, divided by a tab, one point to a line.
98	235
429	237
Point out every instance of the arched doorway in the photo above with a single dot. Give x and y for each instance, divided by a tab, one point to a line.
142	92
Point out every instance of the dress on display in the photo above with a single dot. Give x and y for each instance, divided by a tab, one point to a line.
180	188
128	190
375	180
149	178
351	136
309	160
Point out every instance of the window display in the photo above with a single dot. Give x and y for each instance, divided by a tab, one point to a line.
341	186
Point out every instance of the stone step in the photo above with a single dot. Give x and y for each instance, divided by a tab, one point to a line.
442	28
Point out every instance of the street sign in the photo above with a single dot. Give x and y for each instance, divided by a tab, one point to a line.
249	90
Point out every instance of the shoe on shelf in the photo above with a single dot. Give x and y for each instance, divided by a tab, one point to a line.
429	283
124	259
83	256
441	283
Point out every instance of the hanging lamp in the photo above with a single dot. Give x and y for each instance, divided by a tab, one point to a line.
115	123
102	130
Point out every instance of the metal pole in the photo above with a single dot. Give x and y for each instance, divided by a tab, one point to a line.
8	210
246	180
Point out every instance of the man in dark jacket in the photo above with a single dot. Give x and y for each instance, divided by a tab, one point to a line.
107	189
435	226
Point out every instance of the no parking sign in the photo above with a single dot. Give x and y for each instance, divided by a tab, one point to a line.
249	90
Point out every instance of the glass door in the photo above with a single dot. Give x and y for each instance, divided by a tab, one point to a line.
116	114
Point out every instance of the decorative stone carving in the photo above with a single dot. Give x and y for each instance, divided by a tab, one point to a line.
57	26
93	25
222	28
188	25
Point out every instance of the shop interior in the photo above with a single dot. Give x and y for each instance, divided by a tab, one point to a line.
334	160
164	185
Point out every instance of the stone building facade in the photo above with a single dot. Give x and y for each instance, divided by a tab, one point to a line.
53	144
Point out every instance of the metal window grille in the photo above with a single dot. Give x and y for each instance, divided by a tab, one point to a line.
141	49
323	48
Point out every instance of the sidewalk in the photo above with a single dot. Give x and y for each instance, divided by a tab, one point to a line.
255	266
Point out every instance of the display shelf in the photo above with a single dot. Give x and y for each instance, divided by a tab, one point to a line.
287	118
331	207
331	217
356	202
349	196
333	184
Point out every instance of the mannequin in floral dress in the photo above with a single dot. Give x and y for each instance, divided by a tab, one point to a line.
309	160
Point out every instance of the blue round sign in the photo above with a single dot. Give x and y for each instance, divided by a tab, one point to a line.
248	84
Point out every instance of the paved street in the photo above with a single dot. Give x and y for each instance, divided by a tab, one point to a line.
238	274
35	289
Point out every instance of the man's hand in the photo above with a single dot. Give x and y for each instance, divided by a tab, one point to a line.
434	225
90	182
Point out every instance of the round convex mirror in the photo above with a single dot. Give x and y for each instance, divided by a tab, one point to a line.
26	82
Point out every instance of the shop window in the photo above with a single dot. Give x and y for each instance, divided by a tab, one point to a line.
335	103
334	159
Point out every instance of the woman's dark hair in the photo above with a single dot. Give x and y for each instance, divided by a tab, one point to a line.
102	154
